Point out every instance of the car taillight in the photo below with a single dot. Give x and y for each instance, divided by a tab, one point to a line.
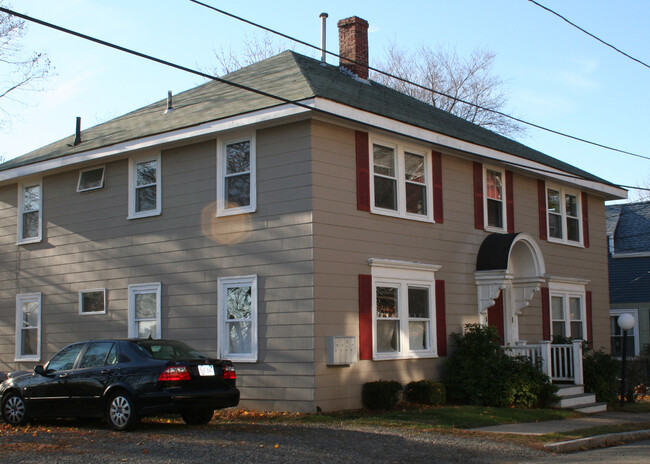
174	373
229	373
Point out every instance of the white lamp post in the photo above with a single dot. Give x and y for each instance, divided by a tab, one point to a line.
625	322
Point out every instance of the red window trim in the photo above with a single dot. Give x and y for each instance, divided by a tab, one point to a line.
546	314
363	171
541	201
478	196
436	161
585	219
510	202
441	318
365	316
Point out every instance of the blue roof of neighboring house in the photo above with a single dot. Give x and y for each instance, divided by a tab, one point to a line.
630	225
629	280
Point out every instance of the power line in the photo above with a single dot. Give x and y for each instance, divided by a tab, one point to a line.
500	113
590	34
239	86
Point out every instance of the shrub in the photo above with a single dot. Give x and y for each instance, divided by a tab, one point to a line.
479	372
426	392
601	372
381	394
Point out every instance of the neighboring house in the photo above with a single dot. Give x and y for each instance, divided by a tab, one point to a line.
628	233
318	246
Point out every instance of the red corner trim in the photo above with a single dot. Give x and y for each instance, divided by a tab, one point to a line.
590	333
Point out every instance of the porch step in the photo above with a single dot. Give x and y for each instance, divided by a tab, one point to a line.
591	408
575	401
569	390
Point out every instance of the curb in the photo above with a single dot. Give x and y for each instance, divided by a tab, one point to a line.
598	441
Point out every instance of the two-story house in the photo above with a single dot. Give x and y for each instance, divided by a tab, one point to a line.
628	233
327	233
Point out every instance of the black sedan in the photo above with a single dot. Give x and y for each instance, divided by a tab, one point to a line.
122	380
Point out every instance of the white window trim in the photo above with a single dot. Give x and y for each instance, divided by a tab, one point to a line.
635	330
568	288
223	338
387	272
504	210
133	161
221	173
144	288
20	299
92	290
400	148
21	210
102	167
563	192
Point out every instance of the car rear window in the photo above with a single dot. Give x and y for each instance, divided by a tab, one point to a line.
168	350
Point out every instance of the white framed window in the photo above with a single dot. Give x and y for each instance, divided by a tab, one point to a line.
494	196
401	180
237	318
563	211
403	309
28	327
236	178
92	301
144	310
568	308
91	179
632	348
145	185
30	211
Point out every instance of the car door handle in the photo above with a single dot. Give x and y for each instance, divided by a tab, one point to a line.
63	376
105	371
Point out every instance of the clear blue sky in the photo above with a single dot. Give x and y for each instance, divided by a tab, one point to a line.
557	76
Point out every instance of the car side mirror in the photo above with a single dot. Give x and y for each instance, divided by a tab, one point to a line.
39	370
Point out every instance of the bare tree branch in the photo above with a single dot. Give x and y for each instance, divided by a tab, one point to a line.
470	79
20	70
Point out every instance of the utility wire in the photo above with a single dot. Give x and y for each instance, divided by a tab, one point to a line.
590	34
500	113
247	88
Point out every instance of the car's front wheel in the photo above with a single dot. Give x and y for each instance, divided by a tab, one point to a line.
14	411
197	416
120	411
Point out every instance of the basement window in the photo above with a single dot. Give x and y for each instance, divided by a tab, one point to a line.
91	179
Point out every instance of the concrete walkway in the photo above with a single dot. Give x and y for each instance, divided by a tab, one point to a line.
555	426
593	420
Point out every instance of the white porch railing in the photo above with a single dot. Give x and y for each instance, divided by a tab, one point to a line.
562	363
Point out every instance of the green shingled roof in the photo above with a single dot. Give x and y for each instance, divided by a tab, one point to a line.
294	77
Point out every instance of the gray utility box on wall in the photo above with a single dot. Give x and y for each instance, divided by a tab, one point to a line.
341	350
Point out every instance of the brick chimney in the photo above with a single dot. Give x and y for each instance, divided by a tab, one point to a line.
353	45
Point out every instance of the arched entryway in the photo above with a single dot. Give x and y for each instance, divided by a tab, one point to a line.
509	269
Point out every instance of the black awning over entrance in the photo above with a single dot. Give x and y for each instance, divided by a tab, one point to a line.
494	252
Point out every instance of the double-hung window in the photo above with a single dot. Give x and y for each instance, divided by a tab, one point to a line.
494	195
237	309
30	212
403	309
564	222
144	310
568	310
236	184
145	186
632	339
28	327
401	181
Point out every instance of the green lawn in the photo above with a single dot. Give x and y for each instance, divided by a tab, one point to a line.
446	417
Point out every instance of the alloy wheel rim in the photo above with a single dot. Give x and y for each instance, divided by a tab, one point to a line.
15	410
120	411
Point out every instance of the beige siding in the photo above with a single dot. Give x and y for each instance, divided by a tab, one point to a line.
345	238
89	243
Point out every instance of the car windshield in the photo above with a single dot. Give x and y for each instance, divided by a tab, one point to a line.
159	349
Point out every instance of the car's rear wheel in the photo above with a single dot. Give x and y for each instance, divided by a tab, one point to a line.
120	411
14	411
197	416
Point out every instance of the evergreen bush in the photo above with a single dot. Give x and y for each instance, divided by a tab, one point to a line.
381	394
426	392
